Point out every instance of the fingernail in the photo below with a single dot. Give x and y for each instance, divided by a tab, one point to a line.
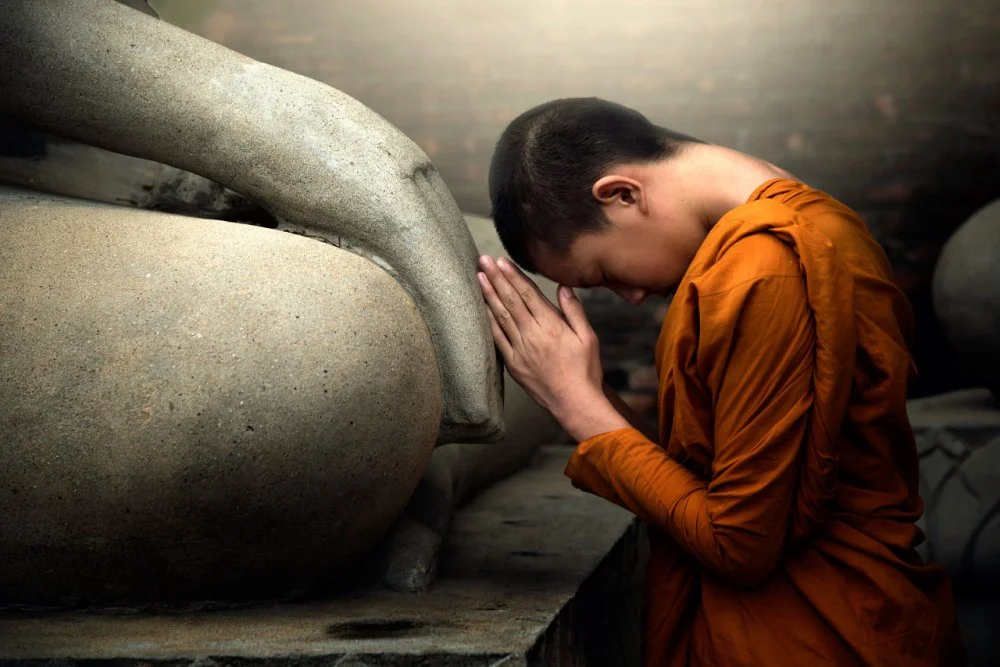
484	261
567	292
481	277
504	264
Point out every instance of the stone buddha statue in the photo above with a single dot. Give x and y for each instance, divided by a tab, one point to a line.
194	410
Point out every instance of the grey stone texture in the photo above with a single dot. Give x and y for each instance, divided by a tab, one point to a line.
141	5
958	438
967	294
409	555
319	161
43	162
458	471
961	487
536	573
197	410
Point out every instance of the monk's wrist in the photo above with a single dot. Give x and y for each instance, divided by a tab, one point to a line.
586	415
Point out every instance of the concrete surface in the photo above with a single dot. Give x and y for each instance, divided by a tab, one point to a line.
972	412
519	559
194	410
319	161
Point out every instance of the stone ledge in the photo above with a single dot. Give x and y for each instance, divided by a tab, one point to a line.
513	570
963	409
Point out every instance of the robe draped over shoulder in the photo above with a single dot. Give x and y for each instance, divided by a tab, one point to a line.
782	498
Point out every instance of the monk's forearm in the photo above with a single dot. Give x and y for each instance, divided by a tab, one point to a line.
624	467
638	422
631	471
588	415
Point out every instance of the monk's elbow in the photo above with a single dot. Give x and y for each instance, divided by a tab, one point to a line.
749	577
747	568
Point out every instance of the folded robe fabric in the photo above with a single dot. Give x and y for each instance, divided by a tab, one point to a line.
783	496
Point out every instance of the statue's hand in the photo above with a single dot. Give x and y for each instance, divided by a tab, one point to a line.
321	162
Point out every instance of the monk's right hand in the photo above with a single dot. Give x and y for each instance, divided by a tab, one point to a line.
553	355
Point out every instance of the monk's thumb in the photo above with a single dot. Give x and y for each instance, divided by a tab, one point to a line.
573	310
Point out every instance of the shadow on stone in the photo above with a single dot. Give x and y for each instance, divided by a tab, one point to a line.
375	629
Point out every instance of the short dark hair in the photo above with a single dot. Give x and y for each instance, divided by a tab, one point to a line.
547	161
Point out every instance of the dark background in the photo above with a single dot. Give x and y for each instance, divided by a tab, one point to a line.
890	105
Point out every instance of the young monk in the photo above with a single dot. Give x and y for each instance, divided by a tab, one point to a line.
782	495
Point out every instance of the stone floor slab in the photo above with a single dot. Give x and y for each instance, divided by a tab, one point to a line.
516	561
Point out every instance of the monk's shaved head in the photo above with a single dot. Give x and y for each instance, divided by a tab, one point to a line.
547	161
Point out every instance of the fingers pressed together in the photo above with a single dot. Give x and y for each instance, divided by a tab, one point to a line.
551	352
516	302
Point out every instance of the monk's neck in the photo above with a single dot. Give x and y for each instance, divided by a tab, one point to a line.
715	179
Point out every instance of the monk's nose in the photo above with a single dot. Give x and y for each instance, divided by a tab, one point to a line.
632	295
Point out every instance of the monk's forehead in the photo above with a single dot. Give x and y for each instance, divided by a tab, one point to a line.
570	268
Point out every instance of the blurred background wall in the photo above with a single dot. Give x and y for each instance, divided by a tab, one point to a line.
891	105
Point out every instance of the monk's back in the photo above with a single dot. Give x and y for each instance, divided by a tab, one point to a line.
859	572
878	474
849	588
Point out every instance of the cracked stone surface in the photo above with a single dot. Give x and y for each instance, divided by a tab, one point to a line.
961	488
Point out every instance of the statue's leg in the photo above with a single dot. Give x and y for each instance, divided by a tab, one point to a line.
456	473
410	552
179	424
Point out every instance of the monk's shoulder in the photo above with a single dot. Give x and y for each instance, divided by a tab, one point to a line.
751	258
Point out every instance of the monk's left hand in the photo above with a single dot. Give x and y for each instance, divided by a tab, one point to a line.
553	355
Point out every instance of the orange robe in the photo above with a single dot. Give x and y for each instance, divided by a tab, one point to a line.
782	502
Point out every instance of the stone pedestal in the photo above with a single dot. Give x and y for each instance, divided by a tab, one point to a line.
958	437
534	573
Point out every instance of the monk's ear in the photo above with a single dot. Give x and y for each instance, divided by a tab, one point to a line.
615	189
